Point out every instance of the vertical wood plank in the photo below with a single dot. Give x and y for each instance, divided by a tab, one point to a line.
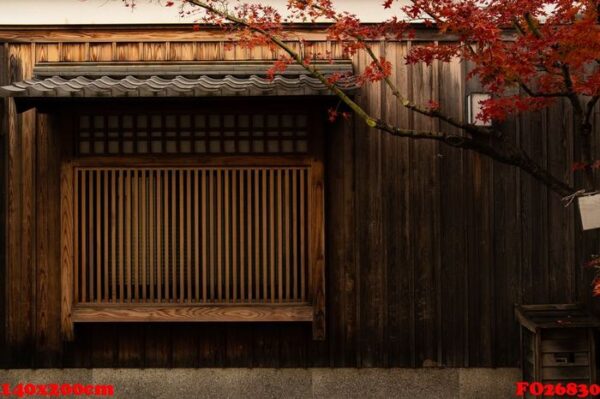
204	177
219	236
188	258
173	225
83	265
113	235
279	206
91	245
316	245
98	234
286	199
227	237
181	239
121	183
66	245
243	176
151	232
106	258
271	263
128	243
143	241
234	228
198	221
135	236
159	242
48	348
302	237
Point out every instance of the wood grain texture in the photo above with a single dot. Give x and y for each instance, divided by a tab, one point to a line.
427	248
66	244
223	313
48	312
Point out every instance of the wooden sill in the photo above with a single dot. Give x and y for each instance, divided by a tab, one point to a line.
90	313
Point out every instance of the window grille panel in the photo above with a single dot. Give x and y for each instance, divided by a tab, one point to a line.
222	134
188	235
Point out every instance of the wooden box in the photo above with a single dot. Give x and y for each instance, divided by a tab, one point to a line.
557	343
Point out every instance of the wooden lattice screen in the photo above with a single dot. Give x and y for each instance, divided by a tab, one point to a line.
213	237
190	235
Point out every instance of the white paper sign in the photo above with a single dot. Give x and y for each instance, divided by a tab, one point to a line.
589	209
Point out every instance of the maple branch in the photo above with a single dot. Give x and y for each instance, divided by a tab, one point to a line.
405	102
509	155
533	93
299	60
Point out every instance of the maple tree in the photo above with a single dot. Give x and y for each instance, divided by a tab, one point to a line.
528	54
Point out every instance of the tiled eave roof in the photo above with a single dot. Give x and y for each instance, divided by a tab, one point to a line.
174	80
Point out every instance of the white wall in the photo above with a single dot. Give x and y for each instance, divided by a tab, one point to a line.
39	12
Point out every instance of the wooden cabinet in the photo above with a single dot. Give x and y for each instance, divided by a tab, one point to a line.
557	343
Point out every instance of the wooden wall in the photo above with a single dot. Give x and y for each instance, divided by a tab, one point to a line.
428	247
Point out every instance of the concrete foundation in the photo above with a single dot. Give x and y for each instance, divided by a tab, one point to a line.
284	383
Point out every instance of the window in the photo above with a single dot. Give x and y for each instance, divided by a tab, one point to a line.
192	134
194	217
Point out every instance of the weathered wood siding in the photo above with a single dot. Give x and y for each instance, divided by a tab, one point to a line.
428	247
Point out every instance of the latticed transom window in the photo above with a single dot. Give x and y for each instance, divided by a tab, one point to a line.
192	216
263	133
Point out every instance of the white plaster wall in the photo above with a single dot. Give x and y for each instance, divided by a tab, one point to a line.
59	12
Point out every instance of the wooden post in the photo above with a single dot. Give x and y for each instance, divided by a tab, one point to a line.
317	249
66	244
316	239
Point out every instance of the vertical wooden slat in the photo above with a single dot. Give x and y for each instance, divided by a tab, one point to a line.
167	258
219	237
265	262
204	176
294	235
174	234
234	265
257	262
188	223
287	233
272	233
143	238
243	175
159	243
197	221
121	189
128	233
182	263
211	235
135	236
249	174
98	249
91	235
113	238
77	237
316	247
84	208
279	192
227	211
302	237
67	250
106	228
151	230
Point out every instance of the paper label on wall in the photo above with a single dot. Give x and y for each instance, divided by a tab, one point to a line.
589	209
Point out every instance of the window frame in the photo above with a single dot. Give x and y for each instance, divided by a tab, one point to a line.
314	159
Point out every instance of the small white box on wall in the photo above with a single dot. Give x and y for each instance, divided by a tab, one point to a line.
589	209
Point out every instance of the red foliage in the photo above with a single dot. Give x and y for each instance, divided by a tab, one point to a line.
519	49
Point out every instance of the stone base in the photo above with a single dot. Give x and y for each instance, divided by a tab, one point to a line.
284	383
